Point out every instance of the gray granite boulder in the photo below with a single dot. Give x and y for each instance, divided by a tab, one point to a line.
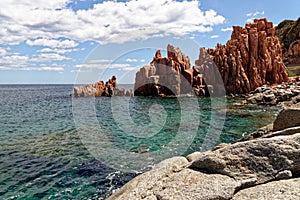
277	190
287	118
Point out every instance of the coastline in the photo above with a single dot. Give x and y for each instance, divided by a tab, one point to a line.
264	164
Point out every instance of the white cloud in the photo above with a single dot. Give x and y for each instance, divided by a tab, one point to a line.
226	29
250	20
130	68
40	69
14	61
214	36
58	51
100	61
110	21
48	57
131	60
255	14
22	63
101	66
53	43
143	60
3	52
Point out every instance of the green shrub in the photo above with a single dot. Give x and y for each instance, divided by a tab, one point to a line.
290	73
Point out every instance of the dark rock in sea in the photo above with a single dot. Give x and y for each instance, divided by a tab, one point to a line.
109	89
261	167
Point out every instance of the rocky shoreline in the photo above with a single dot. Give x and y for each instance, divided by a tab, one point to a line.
285	94
262	165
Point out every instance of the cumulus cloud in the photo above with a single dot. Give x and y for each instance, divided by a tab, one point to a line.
131	60
3	52
53	43
22	63
100	61
58	51
42	69
255	14
226	29
131	68
14	61
214	36
109	21
48	57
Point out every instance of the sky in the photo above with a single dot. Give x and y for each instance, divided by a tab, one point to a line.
82	41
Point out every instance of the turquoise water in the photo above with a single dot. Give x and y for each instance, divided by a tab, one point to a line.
43	154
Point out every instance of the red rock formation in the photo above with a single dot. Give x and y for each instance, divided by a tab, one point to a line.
250	59
99	89
165	76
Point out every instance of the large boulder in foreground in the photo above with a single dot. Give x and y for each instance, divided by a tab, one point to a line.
262	168
250	59
279	190
287	118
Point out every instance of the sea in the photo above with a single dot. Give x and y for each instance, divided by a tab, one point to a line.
49	148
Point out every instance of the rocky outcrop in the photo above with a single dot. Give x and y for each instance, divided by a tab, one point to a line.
250	59
164	75
109	89
282	94
288	33
173	76
261	168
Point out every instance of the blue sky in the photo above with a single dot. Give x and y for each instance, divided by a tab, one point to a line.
76	41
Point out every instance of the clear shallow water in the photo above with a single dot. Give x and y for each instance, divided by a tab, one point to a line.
42	155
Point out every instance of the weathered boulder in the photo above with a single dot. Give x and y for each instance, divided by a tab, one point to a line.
250	59
287	118
172	180
277	190
109	89
254	161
